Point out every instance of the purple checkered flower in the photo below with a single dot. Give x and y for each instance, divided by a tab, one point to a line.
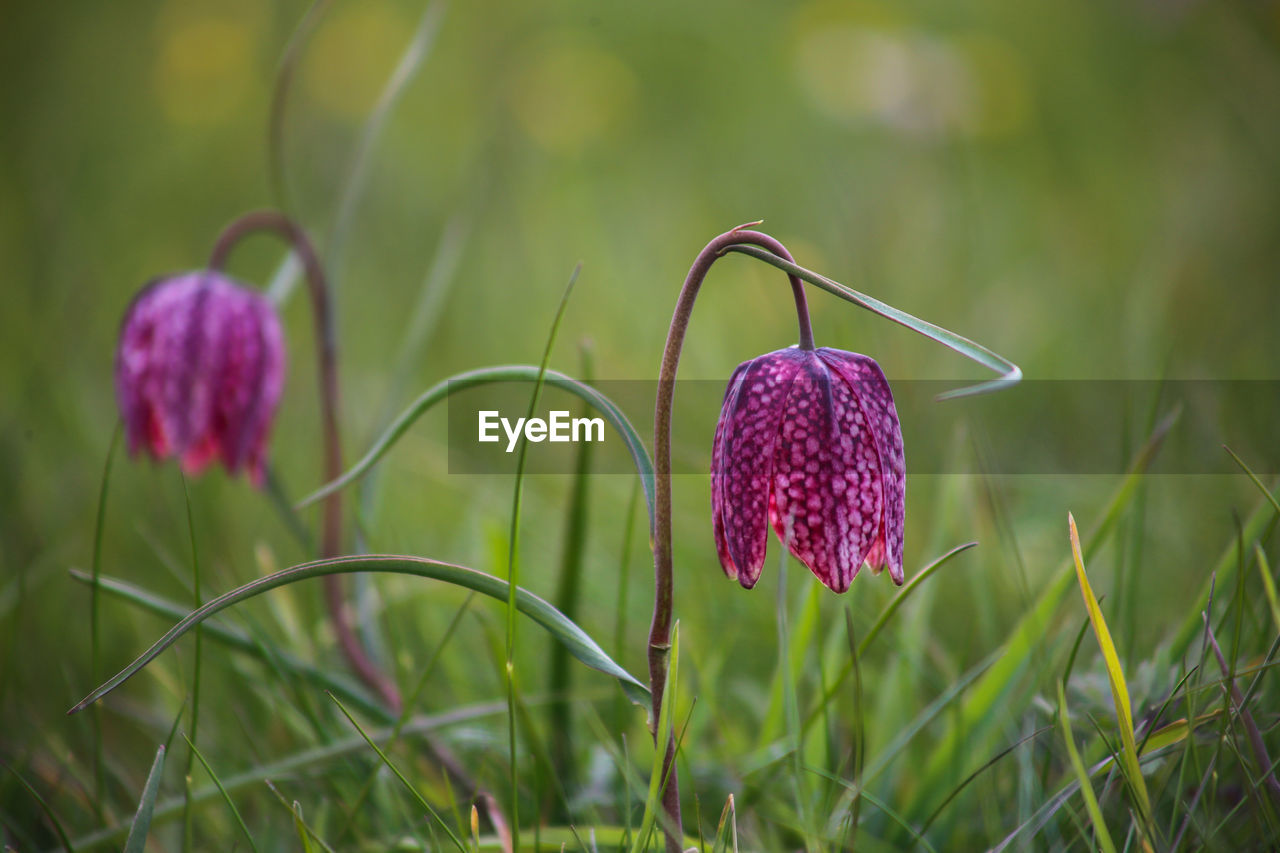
809	441
199	371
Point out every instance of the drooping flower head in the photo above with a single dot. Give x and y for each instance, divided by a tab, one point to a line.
809	441
199	371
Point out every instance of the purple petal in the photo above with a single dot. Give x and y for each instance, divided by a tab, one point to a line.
827	490
199	371
872	391
740	466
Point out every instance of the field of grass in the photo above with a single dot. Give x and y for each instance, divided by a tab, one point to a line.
1089	190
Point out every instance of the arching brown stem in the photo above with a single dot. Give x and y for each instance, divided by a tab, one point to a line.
326	354
660	629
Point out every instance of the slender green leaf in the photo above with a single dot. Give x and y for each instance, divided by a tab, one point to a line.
1010	373
970	728
99	525
351	693
1082	776
486	376
137	839
44	807
580	644
417	795
226	797
883	619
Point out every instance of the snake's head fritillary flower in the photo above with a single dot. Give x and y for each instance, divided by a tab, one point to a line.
809	441
199	371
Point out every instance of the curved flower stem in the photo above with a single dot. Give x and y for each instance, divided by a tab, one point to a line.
660	629
326	349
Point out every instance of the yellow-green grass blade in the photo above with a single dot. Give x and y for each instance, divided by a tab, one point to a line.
580	644
1115	675
1268	584
1082	775
970	728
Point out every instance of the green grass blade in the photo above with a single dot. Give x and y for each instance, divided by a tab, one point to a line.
1010	373
653	801
225	796
1086	787
568	594
485	376
415	53
137	839
279	99
350	692
1268	585
513	555
881	621
1115	675
195	675
44	807
417	795
971	723
99	525
580	644
310	761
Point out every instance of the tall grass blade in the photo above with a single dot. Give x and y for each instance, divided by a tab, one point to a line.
244	829
95	654
1010	373
1115	675
280	98
195	675
1082	776
580	644
970	727
568	594
49	813
311	761
1268	585
137	839
881	621
513	554
417	795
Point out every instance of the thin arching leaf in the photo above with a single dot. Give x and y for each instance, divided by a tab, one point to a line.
580	644
1010	373
485	376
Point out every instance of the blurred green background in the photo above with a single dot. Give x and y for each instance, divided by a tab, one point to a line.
1091	189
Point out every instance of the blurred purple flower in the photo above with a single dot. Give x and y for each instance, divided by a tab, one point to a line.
199	371
810	441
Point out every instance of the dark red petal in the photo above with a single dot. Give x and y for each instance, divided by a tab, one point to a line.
872	391
826	477
740	468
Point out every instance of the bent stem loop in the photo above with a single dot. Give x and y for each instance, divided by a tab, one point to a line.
326	355
660	629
